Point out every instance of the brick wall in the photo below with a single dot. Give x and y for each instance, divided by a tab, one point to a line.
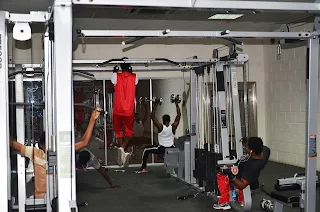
286	102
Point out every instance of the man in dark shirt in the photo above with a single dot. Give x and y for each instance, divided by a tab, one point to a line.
249	166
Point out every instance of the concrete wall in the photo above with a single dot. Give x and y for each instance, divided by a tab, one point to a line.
286	102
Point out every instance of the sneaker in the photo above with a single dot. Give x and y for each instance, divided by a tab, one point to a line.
224	207
120	156
126	159
141	171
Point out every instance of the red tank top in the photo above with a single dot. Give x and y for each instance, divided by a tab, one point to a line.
124	94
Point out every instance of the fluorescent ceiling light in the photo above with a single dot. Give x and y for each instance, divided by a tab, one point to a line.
225	16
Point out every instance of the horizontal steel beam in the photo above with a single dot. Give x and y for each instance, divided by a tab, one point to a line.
200	34
36	17
210	4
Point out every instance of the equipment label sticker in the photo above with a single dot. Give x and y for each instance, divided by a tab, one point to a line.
235	83
193	129
313	146
65	154
223	119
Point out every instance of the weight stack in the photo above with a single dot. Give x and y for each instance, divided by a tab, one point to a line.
211	179
200	166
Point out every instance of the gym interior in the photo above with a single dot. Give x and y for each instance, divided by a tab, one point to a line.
57	59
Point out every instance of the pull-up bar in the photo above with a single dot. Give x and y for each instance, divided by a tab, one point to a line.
129	61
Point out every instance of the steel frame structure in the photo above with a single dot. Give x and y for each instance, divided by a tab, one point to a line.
209	4
58	65
225	5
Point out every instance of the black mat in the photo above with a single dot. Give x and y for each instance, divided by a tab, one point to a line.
156	192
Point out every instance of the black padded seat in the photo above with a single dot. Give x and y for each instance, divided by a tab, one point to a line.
289	197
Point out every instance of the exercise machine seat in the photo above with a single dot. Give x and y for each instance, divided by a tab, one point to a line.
289	197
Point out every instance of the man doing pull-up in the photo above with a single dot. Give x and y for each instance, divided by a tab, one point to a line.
123	109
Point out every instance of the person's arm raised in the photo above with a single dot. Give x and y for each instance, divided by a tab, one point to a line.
154	119
177	119
87	135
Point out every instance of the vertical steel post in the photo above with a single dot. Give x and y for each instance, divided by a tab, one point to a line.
105	108
20	127
193	123
236	109
150	96
64	111
223	114
5	176
312	125
48	115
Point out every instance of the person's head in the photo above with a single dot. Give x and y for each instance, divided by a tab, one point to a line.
42	141
166	119
84	157
254	146
125	67
137	117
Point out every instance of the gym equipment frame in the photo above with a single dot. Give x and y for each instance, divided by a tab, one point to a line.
58	93
65	24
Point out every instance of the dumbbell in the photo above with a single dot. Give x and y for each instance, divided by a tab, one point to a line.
266	205
157	100
143	100
154	99
175	98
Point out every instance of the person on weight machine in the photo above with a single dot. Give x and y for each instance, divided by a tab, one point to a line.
38	156
249	167
123	109
166	134
85	159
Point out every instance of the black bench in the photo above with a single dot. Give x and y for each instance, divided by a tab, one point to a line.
285	198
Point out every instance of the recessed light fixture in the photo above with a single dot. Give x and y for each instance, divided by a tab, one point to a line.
225	16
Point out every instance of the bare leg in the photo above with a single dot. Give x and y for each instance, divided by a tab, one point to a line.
120	151
125	143
120	141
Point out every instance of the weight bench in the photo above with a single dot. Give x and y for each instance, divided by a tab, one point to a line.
290	192
289	199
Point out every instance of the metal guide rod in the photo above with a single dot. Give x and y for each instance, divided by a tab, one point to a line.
105	123
20	127
152	126
64	105
312	125
193	123
199	34
48	115
209	4
5	177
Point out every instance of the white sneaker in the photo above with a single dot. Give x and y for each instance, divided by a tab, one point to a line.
120	156
126	159
224	207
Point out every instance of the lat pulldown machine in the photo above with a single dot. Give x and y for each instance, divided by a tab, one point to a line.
215	128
